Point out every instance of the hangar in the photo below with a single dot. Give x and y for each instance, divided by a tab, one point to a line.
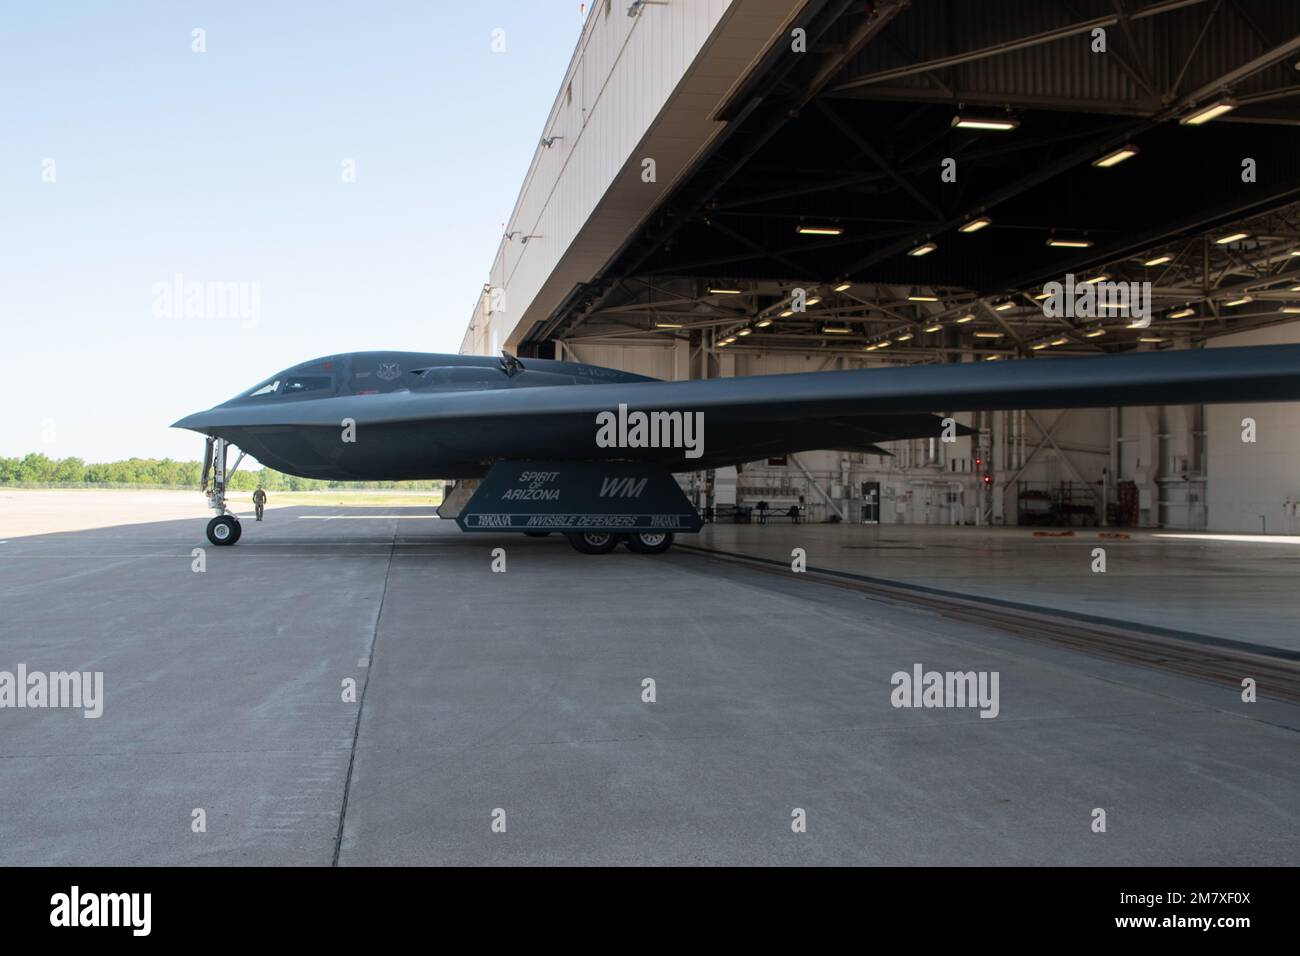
757	186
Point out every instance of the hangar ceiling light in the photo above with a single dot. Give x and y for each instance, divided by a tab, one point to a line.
965	318
922	298
933	327
995	124
744	331
975	225
1058	243
1290	310
1094	333
836	330
1231	238
1182	313
814	300
1158	261
1207	113
668	325
905	337
1115	157
713	291
844	287
819	230
763	323
1241	301
924	249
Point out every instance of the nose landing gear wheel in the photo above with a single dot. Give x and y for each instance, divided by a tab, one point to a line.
649	542
224	530
593	542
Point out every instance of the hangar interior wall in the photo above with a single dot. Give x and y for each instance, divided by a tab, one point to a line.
1253	484
1189	465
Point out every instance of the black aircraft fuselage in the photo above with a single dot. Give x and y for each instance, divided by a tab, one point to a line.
368	416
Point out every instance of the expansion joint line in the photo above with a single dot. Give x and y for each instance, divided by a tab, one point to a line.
361	697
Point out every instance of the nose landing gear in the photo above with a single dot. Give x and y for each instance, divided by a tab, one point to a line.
224	529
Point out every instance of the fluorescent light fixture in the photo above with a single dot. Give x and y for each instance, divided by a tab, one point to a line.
668	325
990	358
844	287
1207	113
1242	301
1233	237
1003	306
1150	338
935	327
922	298
1158	261
1182	313
975	225
1056	242
744	331
996	124
1094	333
1097	278
836	330
1137	324
1295	288
1061	341
1116	157
1038	346
724	291
924	249
787	313
728	340
814	300
872	348
988	335
763	323
965	318
820	230
905	337
882	345
1041	296
1290	310
1295	252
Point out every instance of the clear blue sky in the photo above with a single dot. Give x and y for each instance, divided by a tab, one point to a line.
227	166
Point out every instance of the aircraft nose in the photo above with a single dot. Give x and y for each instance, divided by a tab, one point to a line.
196	422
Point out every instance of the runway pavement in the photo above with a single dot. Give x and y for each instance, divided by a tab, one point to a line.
516	702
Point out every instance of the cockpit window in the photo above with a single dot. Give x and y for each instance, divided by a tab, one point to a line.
267	389
297	384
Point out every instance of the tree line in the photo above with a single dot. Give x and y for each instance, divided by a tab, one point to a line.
38	469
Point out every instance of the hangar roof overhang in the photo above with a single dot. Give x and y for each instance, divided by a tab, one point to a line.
849	141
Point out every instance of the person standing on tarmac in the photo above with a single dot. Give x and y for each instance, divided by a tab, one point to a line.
259	501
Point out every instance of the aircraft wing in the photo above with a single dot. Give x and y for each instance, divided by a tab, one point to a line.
747	418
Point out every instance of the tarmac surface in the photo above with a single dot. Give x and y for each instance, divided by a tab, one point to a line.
486	697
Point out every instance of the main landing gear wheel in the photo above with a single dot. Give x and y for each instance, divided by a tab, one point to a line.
224	530
649	542
593	542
